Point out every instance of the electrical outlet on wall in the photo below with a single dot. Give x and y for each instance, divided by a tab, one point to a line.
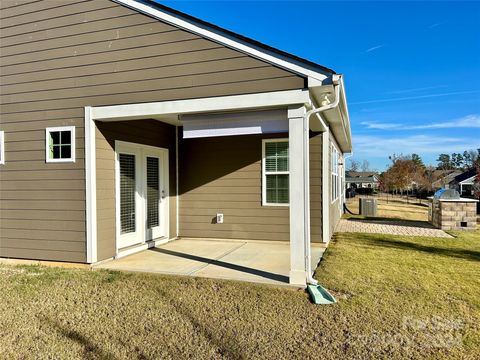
219	218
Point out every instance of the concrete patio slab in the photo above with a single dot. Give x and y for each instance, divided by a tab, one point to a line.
253	261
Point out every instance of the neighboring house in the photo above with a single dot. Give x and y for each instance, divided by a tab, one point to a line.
443	178
125	124
361	179
463	182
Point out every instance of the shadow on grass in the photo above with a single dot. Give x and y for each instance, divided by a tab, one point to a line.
227	347
248	270
90	350
406	245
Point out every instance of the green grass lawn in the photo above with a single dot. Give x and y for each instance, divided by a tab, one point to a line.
399	297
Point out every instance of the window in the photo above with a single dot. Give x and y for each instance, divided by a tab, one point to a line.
275	185
334	166
2	147
60	144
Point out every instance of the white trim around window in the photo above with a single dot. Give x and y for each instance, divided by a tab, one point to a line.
2	147
265	173
48	146
334	171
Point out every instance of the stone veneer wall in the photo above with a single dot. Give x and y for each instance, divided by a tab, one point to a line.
449	215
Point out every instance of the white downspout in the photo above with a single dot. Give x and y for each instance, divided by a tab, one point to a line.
344	179
306	159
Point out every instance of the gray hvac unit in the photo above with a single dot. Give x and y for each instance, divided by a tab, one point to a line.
368	206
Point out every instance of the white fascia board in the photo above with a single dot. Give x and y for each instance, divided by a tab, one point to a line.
192	106
468	181
225	39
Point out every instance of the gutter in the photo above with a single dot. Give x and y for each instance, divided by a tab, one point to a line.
306	148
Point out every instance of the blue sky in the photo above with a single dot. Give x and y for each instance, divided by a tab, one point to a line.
412	69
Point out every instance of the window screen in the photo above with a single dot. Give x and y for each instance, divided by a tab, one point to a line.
276	172
153	192
127	193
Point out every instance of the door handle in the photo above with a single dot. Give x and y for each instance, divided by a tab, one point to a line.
163	194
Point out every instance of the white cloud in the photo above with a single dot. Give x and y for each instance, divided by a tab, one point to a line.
366	146
376	149
373	48
419	89
469	121
380	126
416	97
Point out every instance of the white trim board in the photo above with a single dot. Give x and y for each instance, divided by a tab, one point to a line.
468	181
2	147
90	186
264	173
49	130
222	37
191	106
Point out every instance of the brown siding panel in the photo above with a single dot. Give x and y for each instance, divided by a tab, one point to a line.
316	187
58	57
223	174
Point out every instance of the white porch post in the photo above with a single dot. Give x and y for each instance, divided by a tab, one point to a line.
297	136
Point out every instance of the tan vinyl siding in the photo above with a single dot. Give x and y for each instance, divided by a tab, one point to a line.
224	175
58	57
316	187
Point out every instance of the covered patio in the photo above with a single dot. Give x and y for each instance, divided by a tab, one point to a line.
254	261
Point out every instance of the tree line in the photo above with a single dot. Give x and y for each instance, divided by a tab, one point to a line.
408	172
458	161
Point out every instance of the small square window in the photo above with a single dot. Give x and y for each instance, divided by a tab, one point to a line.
2	147
60	144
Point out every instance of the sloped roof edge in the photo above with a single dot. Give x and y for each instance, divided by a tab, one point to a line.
229	38
465	175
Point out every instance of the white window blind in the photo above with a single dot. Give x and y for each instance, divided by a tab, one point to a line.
231	124
127	193
275	172
153	192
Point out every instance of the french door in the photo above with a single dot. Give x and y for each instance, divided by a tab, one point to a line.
142	193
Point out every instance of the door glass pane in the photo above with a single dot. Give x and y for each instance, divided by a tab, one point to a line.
127	193
153	192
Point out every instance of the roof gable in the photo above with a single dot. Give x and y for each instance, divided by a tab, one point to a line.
230	39
465	175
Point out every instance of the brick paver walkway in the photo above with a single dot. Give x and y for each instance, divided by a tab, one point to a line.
390	227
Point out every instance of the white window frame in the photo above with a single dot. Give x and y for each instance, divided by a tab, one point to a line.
334	173
2	147
264	173
48	130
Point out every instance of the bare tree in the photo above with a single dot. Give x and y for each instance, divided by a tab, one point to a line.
365	165
353	165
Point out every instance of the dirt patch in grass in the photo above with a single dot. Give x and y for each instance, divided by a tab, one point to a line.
399	297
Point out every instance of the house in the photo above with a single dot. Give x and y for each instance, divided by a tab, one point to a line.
126	124
443	178
463	183
361	179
